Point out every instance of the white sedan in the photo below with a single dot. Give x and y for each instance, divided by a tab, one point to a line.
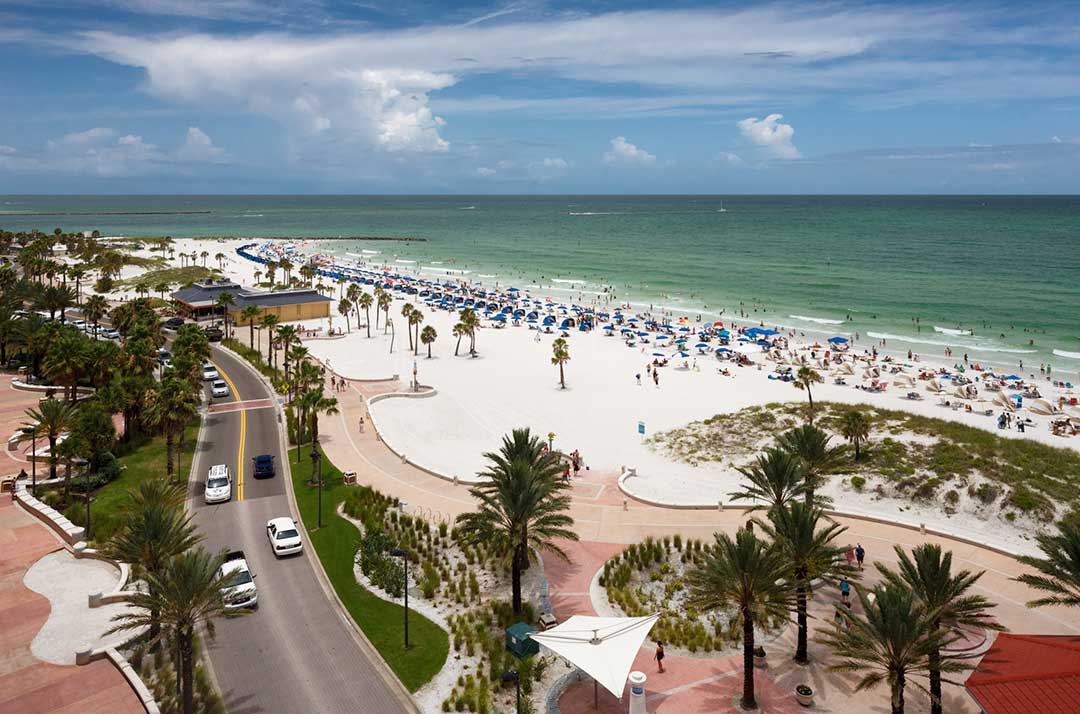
284	536
209	372
218	388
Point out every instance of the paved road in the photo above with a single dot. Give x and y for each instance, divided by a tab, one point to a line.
294	654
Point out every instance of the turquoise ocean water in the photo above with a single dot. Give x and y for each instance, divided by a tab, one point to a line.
1007	269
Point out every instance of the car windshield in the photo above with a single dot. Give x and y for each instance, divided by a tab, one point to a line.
287	533
217	482
240	577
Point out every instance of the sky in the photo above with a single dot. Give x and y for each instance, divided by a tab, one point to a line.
519	97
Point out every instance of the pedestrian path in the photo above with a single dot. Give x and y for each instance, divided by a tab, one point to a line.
29	685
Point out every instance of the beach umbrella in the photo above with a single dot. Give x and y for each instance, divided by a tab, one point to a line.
658	354
838	340
643	334
625	330
684	329
681	354
701	345
722	349
723	333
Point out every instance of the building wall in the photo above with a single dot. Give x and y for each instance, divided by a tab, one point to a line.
289	313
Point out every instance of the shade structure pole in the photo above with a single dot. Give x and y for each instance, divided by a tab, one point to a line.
595	695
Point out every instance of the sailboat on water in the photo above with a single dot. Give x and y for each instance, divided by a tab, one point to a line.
722	209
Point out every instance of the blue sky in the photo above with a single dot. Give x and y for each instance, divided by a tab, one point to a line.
365	96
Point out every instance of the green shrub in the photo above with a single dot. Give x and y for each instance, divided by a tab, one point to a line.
858	482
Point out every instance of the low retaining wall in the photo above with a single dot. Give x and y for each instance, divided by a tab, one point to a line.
55	520
24	386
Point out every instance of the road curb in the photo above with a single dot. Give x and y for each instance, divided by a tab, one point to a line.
373	655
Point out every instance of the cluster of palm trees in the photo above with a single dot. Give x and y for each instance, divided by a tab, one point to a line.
467	325
414	318
181	582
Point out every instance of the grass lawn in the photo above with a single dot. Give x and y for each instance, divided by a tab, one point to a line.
145	461
174	276
381	621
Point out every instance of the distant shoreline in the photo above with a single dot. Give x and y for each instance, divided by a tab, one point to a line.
105	213
398	239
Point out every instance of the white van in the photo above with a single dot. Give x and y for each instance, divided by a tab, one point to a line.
218	484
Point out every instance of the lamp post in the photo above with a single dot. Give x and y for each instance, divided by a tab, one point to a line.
86	493
512	676
316	473
400	553
33	462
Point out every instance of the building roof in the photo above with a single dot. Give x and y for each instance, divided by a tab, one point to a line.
1029	674
205	294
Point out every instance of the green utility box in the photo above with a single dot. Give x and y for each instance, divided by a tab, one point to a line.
518	641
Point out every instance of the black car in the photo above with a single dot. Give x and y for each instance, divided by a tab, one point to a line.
264	466
174	323
214	334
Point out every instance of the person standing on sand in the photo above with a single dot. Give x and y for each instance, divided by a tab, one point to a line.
361	425
860	554
659	656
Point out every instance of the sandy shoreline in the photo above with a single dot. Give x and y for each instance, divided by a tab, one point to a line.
512	383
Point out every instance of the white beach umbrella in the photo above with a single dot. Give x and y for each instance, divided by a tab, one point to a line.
604	647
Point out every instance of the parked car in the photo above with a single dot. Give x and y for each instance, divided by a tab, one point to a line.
218	484
264	466
164	355
209	372
239	589
218	388
284	536
214	334
110	333
174	323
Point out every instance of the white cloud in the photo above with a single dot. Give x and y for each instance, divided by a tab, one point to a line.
557	164
729	158
90	136
770	134
623	152
486	171
1055	139
198	146
5	149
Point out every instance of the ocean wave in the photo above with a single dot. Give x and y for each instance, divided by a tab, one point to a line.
595	213
443	271
951	331
251	215
487	275
939	343
466	208
819	320
1067	354
571	282
399	260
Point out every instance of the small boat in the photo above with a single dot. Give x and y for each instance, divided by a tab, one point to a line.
722	209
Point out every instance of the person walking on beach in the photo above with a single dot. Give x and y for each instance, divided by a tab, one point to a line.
659	656
845	591
849	555
656	378
638	376
361	425
860	554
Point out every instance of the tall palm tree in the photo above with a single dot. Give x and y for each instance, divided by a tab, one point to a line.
776	478
378	303
225	301
522	504
52	418
287	337
415	319
345	307
1058	574
458	332
155	492
890	643
251	313
746	574
406	312
929	574
560	355
316	402
204	255
385	300
270	322
805	378
365	301
95	308
170	407
855	427
471	322
65	363
811	445
427	336
188	596
810	553
155	531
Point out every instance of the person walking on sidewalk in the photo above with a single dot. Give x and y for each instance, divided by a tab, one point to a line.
860	554
659	656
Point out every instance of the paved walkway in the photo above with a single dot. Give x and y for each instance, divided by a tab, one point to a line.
27	684
605	519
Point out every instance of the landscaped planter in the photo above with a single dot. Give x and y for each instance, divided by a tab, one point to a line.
804	695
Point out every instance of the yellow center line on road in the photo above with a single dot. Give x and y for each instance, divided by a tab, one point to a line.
243	435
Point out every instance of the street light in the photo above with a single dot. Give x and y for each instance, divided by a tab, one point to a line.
316	473
512	676
86	493
400	553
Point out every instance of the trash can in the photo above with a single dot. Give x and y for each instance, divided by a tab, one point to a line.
637	692
518	642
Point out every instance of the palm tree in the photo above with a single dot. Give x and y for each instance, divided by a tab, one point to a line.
225	301
251	313
471	322
220	258
459	332
415	319
316	402
287	337
170	407
427	336
385	300
811	445
804	379
522	504
52	418
406	312
890	643
65	363
810	553
365	301
776	478
188	596
746	574
345	307
269	322
378	303
155	531
929	574
560	355
1058	574
95	308
204	255
161	288
855	427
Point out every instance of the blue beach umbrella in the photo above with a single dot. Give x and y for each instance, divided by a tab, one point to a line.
658	354
701	345
681	354
838	340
